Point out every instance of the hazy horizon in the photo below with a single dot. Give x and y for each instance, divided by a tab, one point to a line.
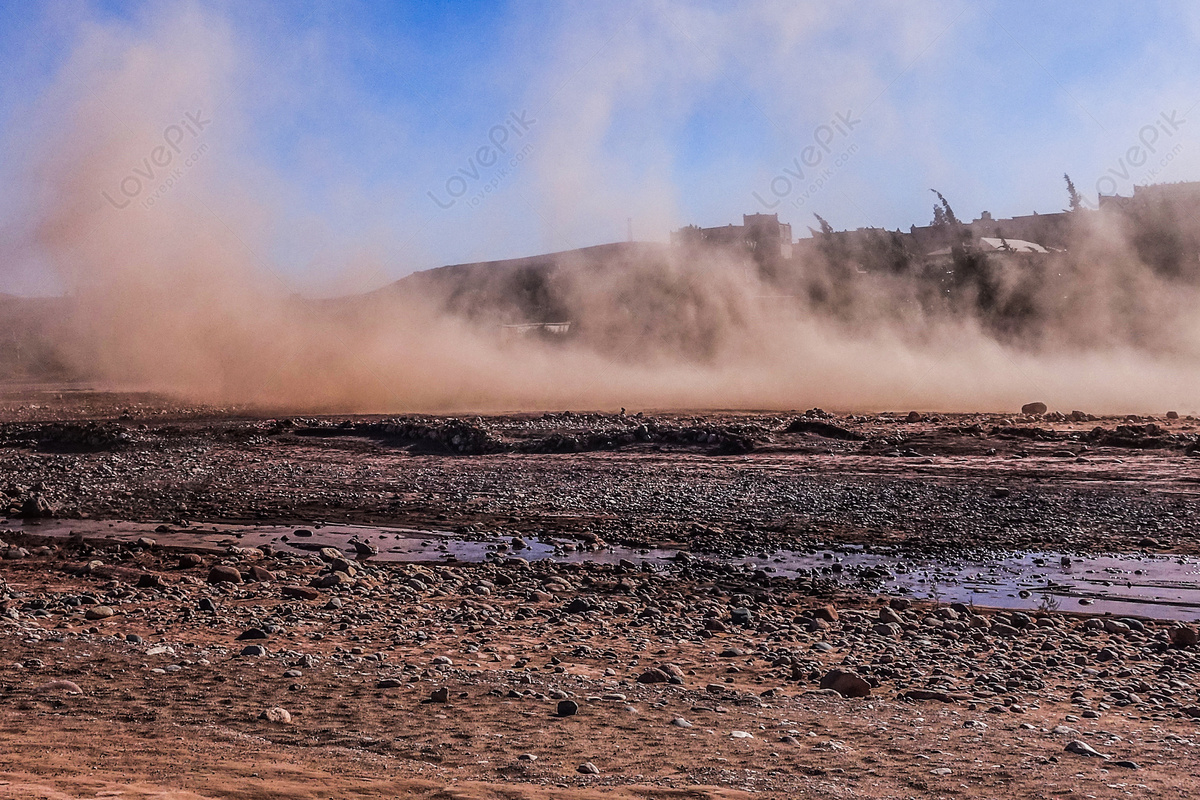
186	169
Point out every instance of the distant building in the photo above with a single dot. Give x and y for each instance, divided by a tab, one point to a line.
762	235
1161	223
1184	195
1051	231
1160	219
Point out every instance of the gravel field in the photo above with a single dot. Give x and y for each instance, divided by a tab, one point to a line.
144	669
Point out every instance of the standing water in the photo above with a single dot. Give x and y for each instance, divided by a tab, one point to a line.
1155	586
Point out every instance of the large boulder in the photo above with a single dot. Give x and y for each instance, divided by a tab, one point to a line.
222	573
1184	636
653	675
300	592
845	683
258	573
826	613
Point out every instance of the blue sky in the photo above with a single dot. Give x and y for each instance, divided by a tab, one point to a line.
350	127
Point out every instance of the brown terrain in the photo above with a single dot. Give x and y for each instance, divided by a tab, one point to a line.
162	638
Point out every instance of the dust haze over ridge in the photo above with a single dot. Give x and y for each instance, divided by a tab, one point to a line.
146	196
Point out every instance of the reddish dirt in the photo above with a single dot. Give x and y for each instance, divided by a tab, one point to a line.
178	712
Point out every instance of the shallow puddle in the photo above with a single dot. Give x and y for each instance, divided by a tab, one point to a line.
1161	587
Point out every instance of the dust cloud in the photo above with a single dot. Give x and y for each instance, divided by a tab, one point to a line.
162	232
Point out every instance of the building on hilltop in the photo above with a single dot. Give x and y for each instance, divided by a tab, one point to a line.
1051	231
1184	195
762	235
1162	223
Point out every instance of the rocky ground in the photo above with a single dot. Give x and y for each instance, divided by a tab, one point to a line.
719	482
141	670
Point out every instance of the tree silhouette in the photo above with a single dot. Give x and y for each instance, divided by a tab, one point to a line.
946	209
1076	200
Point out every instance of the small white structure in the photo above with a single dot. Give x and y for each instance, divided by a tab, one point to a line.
1010	245
991	244
534	329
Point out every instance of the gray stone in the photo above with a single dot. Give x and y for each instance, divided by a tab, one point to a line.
1081	748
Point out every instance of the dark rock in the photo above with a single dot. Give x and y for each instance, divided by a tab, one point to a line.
258	573
1184	636
579	605
36	506
673	672
845	683
653	676
928	694
252	634
300	592
824	429
222	573
151	580
190	560
826	613
567	708
363	549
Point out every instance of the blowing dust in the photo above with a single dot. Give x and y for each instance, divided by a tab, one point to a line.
162	232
